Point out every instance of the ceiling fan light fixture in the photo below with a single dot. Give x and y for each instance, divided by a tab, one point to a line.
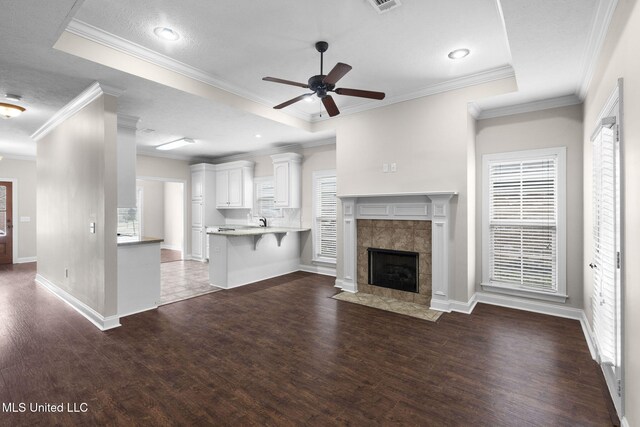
459	53
166	33
176	144
8	111
310	98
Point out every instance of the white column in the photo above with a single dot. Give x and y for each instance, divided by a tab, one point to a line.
348	281
440	252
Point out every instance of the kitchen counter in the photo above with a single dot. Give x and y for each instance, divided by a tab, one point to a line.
252	231
248	254
137	240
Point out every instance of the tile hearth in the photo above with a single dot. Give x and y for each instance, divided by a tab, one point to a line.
390	304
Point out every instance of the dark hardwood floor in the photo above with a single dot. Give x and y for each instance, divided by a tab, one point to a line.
282	352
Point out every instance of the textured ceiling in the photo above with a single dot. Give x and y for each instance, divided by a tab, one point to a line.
400	52
547	42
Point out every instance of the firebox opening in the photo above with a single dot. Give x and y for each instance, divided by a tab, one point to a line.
393	269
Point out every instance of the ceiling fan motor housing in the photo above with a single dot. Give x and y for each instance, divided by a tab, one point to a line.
317	85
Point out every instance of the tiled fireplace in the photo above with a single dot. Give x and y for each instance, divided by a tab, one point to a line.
412	224
397	244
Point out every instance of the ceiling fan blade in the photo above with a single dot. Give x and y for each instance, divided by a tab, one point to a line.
292	101
337	73
360	93
286	82
330	106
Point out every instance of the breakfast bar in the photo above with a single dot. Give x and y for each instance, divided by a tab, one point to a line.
242	255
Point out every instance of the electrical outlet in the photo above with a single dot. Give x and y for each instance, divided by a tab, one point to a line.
394	167
385	167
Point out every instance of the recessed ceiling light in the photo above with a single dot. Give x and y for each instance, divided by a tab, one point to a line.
166	33
175	144
459	53
258	135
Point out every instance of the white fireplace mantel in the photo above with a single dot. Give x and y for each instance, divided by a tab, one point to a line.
431	206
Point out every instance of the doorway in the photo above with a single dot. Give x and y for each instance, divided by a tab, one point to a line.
6	222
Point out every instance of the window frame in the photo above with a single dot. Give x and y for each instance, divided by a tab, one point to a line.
316	175
560	295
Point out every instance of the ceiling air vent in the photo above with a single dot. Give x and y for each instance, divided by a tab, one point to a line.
383	6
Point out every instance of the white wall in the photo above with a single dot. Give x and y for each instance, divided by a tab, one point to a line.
77	184
152	208
173	215
24	171
558	127
619	58
428	138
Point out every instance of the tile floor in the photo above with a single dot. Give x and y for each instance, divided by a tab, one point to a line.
182	280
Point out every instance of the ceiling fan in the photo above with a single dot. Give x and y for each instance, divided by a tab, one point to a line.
322	84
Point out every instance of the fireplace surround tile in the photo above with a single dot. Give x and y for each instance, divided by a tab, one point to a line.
412	236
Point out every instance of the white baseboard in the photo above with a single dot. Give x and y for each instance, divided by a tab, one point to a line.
448	306
586	330
101	322
252	282
527	305
319	269
624	422
171	247
25	260
345	286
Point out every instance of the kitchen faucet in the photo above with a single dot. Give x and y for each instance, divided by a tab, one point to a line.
263	222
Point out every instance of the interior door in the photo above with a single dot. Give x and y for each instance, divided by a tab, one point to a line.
6	223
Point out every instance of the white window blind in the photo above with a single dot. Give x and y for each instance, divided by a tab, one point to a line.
605	251
523	223
325	217
265	203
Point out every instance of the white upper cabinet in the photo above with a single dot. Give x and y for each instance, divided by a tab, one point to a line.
234	185
197	184
287	174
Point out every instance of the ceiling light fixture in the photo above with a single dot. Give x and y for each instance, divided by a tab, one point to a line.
258	135
459	53
8	111
309	98
175	144
166	33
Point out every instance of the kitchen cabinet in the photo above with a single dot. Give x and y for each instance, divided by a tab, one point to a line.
234	185
287	175
203	211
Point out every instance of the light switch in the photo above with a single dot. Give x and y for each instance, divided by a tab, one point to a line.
394	168
385	167
92	227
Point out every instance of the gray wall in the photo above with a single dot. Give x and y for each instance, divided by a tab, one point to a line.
557	127
25	172
152	208
173	217
77	184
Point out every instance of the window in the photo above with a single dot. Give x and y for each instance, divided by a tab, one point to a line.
324	217
524	223
265	199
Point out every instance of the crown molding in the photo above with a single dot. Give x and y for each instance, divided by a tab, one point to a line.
145	151
591	54
97	35
528	107
78	103
275	150
18	157
128	122
487	76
